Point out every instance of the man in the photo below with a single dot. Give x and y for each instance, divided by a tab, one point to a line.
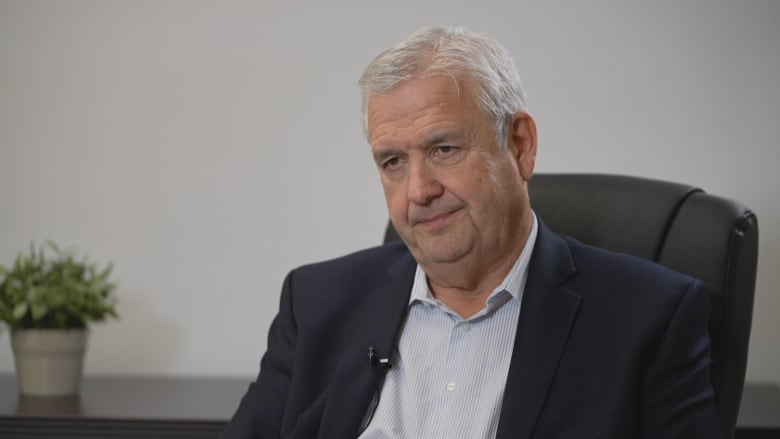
483	323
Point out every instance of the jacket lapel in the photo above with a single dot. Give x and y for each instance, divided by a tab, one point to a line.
546	317
547	314
356	381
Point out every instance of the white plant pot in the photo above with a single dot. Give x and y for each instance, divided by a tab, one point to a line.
49	361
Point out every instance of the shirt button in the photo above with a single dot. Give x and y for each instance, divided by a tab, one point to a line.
450	387
466	326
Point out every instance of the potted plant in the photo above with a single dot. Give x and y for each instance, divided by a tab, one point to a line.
48	300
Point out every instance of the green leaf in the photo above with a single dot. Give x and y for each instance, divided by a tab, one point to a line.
49	243
5	311
38	311
20	310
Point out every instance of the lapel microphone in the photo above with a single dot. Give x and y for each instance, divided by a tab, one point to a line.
376	362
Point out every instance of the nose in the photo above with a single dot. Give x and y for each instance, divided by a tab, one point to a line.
422	186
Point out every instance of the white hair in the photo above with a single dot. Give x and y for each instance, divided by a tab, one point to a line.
456	52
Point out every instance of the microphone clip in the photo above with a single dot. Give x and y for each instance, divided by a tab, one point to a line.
376	362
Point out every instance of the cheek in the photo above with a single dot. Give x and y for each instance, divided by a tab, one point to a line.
471	186
396	204
487	194
503	175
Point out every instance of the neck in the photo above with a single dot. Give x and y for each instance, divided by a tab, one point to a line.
465	285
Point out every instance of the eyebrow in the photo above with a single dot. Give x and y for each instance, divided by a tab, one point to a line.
440	137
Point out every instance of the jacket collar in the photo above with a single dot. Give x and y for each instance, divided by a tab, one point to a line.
357	380
546	317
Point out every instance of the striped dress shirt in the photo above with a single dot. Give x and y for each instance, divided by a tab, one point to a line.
449	373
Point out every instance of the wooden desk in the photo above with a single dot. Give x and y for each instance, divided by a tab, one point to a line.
123	408
194	408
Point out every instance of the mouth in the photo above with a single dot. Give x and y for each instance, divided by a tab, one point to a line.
436	221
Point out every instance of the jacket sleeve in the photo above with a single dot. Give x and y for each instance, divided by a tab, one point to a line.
262	408
678	400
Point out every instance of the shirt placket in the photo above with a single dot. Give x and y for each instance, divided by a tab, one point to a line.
450	385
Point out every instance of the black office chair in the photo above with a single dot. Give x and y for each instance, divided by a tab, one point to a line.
682	227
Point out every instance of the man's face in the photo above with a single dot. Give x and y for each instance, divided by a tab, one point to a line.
452	192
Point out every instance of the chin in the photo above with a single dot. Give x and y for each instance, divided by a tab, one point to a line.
442	249
441	253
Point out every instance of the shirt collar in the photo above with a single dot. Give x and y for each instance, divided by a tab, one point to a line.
513	283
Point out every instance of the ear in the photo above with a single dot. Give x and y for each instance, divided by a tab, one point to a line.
522	143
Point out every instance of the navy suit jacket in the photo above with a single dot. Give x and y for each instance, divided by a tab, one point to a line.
607	346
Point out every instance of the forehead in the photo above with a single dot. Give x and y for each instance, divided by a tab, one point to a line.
418	103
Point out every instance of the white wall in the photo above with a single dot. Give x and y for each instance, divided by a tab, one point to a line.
206	148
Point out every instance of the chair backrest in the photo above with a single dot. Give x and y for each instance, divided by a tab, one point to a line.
682	227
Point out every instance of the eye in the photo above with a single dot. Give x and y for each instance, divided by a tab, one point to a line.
443	150
447	155
391	163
